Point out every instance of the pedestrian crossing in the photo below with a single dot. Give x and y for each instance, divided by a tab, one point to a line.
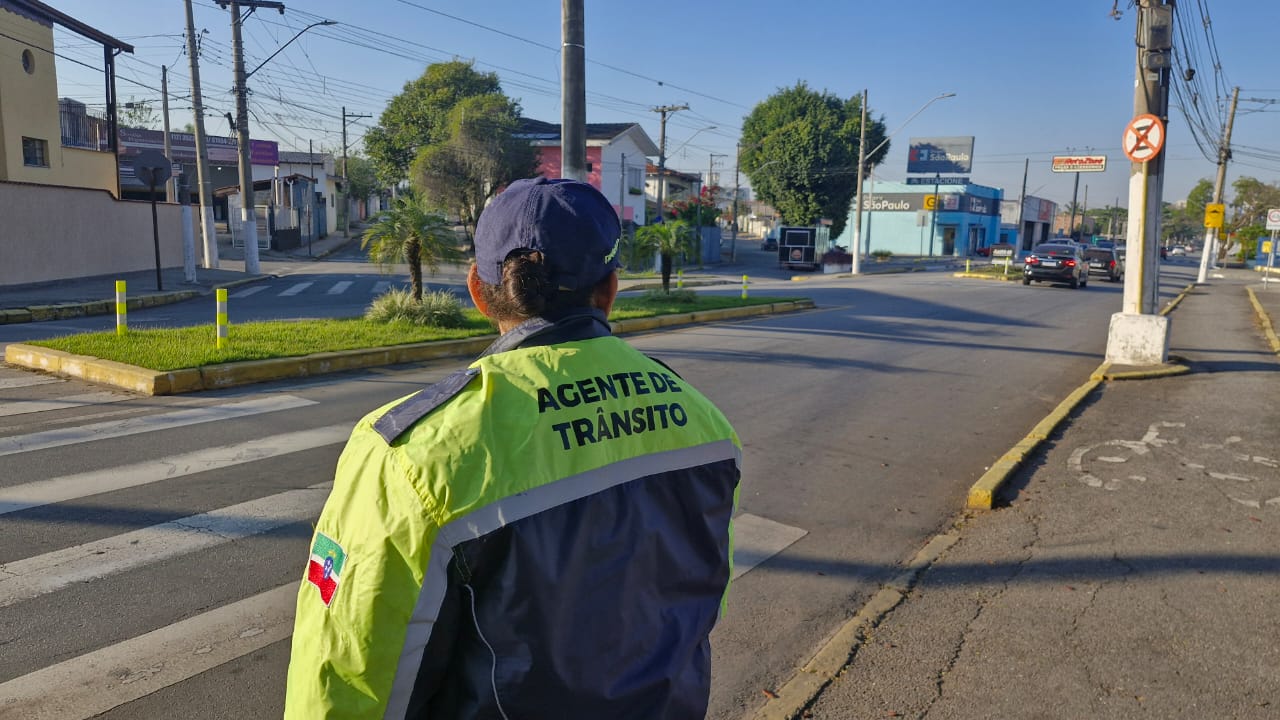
236	493
330	288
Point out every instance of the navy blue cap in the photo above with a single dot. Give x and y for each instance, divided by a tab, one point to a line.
570	222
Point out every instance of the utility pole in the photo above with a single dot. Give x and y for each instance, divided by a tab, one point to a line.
1084	210
857	198
346	190
573	92
933	220
170	190
1208	253
737	190
1075	193
1138	335
208	235
1022	208
662	150
248	216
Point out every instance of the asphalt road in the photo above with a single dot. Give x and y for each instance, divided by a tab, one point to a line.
150	547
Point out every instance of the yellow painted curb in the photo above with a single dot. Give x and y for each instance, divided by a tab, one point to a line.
987	276
1174	302
1264	320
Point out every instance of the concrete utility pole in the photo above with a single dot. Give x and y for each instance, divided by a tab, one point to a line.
737	190
170	191
1138	335
662	150
248	217
573	92
1022	208
1075	194
208	236
857	198
346	190
1208	253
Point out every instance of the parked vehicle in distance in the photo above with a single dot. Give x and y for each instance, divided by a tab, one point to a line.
770	241
1105	261
1178	250
1056	262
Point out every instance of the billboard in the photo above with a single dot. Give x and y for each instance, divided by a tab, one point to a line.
1079	163
940	155
183	147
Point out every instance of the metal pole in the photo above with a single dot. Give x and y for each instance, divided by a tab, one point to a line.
311	199
248	217
662	151
208	235
1022	207
737	190
155	234
573	99
1071	224
933	221
857	199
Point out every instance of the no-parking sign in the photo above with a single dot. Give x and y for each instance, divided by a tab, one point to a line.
1143	138
1273	219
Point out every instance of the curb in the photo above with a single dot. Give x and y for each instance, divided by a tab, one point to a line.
67	311
1264	320
212	377
986	276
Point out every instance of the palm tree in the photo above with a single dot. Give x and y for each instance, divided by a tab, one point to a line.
414	233
668	239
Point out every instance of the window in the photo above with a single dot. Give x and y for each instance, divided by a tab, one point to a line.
35	152
28	62
635	178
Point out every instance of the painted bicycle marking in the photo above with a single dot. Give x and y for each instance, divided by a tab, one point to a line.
1238	475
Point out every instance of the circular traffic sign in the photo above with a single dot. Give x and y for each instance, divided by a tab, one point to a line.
1143	138
1273	217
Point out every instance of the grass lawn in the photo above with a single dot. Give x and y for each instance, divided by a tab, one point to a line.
163	349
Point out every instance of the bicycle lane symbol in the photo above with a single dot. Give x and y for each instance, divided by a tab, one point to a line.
1240	476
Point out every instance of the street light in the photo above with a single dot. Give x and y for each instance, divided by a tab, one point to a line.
857	226
282	47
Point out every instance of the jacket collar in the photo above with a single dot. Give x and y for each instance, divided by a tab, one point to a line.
577	324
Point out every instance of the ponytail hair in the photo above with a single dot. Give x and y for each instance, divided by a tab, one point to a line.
526	290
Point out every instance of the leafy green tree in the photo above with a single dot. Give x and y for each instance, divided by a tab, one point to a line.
800	149
139	114
1200	195
480	155
669	239
1177	225
419	115
411	232
1253	198
362	177
700	210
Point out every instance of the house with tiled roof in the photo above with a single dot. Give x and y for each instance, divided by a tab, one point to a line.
617	154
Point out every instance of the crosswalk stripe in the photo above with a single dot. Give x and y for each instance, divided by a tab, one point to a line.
93	683
70	487
31	577
148	423
756	539
248	291
380	287
28	381
294	290
23	407
339	287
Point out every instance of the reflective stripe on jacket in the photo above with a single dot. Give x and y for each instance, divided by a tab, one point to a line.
546	536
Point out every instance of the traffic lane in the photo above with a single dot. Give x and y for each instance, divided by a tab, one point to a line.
865	423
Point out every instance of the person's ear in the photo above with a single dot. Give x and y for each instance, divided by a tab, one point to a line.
605	292
473	287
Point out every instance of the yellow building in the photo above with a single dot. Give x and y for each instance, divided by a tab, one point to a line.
43	141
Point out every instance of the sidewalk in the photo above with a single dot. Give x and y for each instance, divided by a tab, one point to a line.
1133	569
96	295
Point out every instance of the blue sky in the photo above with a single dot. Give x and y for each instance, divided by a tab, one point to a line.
1032	78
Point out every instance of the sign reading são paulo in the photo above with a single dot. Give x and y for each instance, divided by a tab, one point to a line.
940	155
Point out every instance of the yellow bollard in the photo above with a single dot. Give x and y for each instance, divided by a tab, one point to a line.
680	279
222	317
966	264
122	309
744	287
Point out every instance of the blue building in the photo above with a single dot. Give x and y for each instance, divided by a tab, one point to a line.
896	217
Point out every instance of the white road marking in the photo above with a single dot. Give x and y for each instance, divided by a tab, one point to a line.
148	423
249	291
96	682
296	289
70	487
380	287
28	381
339	288
35	576
23	407
756	539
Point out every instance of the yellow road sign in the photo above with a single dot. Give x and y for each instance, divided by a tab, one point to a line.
930	202
1213	213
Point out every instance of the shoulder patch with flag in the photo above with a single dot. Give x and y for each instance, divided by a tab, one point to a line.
325	568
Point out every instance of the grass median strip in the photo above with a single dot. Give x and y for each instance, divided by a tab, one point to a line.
166	349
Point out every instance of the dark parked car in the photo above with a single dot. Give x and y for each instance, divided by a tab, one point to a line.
1056	262
770	241
1105	261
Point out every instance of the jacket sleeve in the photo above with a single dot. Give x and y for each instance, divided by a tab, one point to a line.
356	607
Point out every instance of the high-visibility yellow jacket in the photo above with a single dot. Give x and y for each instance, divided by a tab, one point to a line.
546	534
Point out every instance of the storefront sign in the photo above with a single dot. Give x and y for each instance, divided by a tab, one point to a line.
1079	163
911	202
949	180
183	147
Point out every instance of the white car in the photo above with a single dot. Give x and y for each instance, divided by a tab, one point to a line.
1177	250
